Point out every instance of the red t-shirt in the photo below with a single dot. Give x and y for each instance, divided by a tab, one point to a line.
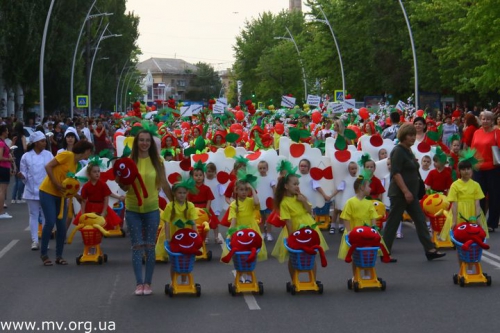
95	193
439	181
468	135
201	198
376	187
482	142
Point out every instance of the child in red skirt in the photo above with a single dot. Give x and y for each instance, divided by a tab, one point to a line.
95	198
203	198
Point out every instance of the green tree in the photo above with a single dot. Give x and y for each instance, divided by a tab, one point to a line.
257	40
205	85
21	25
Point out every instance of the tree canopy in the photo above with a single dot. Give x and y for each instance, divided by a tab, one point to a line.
456	43
21	28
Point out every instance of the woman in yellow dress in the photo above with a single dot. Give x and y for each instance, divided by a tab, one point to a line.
295	210
242	213
464	195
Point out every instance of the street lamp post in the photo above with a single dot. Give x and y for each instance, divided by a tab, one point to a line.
325	21
42	57
88	17
126	89
414	53
118	85
101	38
300	59
123	87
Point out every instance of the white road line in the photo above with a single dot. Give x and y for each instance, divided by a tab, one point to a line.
249	299
8	247
491	262
27	228
489	254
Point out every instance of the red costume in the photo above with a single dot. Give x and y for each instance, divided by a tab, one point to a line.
376	187
200	200
439	181
95	195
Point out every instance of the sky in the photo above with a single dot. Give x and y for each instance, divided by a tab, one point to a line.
196	30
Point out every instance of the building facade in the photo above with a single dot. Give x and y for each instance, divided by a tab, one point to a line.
165	77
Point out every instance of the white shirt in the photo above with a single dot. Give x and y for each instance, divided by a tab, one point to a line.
32	167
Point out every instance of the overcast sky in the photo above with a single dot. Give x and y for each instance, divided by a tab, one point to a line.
196	30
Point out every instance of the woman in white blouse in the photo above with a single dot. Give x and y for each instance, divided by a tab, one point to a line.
32	172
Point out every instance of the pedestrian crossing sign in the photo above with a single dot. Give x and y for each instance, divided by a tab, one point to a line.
339	95
82	101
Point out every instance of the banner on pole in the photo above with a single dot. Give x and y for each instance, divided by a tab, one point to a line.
349	104
288	102
335	107
313	100
188	111
217	108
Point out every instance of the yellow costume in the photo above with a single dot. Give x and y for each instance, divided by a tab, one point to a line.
358	213
66	163
465	195
293	210
179	214
246	217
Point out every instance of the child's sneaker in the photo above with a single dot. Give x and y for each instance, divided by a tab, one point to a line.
399	235
341	229
332	230
269	237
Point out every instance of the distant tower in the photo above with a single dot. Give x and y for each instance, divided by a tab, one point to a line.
295	5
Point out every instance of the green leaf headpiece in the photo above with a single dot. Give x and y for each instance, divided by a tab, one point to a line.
364	158
470	156
440	155
187	183
248	177
200	166
181	224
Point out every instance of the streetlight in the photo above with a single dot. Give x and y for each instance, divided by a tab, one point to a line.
88	17
129	92
300	59
42	57
325	21
118	84
414	53
101	38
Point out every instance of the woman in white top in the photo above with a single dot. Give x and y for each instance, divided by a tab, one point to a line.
32	172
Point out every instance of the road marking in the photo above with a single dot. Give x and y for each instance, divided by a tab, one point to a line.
27	229
8	247
491	262
249	299
489	254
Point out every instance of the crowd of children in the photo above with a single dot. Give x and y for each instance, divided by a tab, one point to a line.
255	199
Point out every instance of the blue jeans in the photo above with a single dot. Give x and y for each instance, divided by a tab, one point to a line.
143	228
51	205
17	189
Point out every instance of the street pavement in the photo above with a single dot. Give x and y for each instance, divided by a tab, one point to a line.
420	295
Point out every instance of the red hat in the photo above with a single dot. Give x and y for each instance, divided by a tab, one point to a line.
175	142
222	134
198	127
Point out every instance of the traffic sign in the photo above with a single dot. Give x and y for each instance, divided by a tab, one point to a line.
339	95
82	101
